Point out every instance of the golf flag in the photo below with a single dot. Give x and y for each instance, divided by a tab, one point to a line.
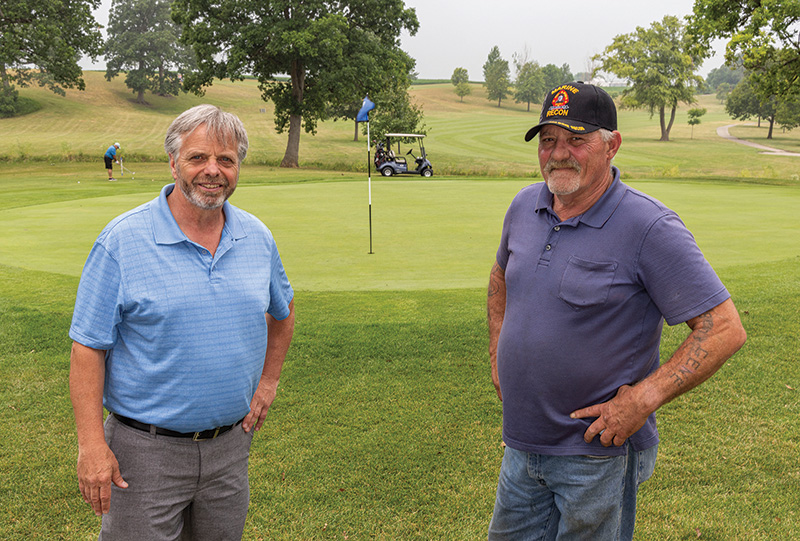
363	113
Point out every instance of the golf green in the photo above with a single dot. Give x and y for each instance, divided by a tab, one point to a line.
425	234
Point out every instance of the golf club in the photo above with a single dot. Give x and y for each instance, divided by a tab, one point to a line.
123	169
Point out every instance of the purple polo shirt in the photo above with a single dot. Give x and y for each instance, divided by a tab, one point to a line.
586	300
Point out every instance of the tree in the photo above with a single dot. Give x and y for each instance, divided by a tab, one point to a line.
555	76
41	41
724	75
723	89
143	40
496	76
744	103
788	114
694	117
395	113
331	51
460	80
530	85
762	32
659	63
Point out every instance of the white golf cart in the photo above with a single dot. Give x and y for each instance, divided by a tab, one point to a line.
388	163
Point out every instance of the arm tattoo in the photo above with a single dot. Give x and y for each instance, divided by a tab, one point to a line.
695	352
494	286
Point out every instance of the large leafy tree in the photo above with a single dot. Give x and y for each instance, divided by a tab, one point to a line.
143	41
659	63
333	52
496	76
765	34
41	41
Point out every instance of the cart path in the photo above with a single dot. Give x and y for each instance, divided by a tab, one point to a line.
723	131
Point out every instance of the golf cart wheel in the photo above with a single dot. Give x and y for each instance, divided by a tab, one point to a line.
387	171
427	172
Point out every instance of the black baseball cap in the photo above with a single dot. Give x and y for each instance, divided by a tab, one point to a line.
578	107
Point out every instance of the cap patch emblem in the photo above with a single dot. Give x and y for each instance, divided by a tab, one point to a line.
560	104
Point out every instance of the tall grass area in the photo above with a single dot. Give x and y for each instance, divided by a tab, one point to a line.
386	425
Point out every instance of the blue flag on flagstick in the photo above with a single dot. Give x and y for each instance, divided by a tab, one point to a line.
363	113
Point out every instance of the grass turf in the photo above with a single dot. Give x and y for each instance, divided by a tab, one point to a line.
386	425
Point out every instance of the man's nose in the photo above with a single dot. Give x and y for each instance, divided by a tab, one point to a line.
560	150
212	167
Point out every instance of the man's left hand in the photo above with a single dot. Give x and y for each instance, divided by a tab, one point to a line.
262	400
617	420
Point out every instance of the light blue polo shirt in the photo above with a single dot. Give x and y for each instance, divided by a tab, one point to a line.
585	303
111	152
185	332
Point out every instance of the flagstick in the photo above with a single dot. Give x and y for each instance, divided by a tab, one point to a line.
369	184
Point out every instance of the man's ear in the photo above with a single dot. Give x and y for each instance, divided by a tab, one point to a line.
614	144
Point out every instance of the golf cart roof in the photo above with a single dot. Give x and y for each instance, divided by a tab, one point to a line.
404	135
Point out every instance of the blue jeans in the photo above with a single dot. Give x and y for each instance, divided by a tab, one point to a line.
542	497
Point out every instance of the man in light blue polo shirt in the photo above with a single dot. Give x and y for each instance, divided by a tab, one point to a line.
587	270
182	321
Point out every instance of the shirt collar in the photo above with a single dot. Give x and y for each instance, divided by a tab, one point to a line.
600	212
167	230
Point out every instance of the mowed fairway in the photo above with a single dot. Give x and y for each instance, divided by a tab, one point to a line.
386	425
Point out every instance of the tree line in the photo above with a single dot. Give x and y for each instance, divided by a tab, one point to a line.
531	83
659	64
314	59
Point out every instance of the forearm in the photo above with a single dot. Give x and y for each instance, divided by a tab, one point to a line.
86	380
495	313
715	337
279	337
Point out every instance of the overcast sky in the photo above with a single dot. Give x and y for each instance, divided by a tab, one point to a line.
460	33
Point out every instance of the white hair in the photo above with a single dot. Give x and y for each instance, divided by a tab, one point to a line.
219	124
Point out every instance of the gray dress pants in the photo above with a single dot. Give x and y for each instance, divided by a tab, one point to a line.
178	489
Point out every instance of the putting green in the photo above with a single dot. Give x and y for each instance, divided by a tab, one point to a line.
426	234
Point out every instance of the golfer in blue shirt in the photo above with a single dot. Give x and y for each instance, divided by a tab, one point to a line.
182	321
109	157
587	271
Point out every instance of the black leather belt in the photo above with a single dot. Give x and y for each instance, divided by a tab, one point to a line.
209	434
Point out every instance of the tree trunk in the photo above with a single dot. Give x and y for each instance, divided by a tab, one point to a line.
4	75
771	124
291	158
671	119
355	132
140	95
665	128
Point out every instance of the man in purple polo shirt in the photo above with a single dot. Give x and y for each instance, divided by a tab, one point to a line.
182	321
587	271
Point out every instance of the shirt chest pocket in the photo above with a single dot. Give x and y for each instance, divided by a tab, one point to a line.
586	283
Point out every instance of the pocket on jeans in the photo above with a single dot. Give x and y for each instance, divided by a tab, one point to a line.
586	283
